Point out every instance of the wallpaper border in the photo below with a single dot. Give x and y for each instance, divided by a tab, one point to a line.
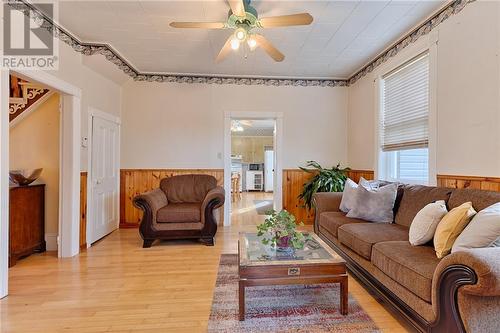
113	56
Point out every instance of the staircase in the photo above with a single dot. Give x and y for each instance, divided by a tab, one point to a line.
24	98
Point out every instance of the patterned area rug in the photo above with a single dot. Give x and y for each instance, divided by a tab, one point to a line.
299	308
263	206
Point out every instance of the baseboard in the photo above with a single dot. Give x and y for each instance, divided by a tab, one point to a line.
51	241
129	225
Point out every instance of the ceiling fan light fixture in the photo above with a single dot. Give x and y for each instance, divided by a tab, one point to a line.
242	18
235	44
252	43
236	126
240	34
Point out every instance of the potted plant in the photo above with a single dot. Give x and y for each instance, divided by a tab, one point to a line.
279	230
324	180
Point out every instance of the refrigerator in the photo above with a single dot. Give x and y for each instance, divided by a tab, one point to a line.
268	170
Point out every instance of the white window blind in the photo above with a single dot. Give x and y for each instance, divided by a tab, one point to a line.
405	116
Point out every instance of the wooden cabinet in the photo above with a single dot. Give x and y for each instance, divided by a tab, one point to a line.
27	221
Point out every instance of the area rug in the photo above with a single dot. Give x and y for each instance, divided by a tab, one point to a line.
299	308
263	206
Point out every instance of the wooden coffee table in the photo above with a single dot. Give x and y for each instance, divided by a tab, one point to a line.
261	265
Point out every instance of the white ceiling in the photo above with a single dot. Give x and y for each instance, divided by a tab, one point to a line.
254	127
344	36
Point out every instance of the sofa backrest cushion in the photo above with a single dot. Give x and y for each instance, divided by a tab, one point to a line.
187	188
399	194
480	199
416	197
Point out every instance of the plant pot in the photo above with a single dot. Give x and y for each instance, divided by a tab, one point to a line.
283	242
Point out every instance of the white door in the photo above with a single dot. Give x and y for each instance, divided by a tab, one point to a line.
269	170
104	178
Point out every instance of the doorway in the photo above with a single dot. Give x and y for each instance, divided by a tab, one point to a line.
69	179
34	142
252	158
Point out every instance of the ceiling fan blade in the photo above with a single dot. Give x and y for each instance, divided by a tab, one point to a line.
200	25
269	48
226	49
237	7
286	20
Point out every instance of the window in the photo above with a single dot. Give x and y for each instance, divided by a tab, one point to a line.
404	127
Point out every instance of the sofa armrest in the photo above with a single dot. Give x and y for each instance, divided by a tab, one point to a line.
325	202
150	202
213	200
463	283
485	263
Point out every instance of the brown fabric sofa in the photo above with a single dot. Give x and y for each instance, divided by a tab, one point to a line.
183	207
458	293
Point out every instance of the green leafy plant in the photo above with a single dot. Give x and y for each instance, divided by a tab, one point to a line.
324	180
280	229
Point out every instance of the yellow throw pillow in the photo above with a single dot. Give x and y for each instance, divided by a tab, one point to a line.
450	227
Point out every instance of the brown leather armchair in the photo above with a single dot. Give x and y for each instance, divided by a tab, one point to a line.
183	207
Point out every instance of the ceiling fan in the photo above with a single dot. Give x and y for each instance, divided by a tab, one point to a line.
243	18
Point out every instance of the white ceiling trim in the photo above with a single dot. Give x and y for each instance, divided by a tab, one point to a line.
86	48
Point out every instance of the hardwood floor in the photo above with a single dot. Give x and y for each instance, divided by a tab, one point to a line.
117	286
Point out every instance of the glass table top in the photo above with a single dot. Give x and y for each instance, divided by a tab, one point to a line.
253	252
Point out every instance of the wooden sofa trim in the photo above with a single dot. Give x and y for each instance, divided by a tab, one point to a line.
450	281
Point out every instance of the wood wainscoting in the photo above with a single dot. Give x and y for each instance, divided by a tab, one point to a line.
83	210
475	182
293	181
137	181
357	174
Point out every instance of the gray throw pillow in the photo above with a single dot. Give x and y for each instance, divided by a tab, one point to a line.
349	195
482	231
375	205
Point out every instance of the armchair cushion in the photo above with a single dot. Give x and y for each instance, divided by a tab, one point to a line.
187	188
179	213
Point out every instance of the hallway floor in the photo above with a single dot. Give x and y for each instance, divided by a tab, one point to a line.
117	286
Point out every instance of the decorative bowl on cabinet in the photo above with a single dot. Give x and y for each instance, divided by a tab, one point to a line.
24	177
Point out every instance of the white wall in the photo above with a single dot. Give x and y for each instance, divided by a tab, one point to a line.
97	90
168	125
468	96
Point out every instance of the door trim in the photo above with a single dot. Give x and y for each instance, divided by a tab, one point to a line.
278	146
96	113
4	182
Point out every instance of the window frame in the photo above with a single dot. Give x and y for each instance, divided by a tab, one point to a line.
394	157
427	44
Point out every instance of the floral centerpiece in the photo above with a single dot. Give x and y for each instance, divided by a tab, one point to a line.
279	230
